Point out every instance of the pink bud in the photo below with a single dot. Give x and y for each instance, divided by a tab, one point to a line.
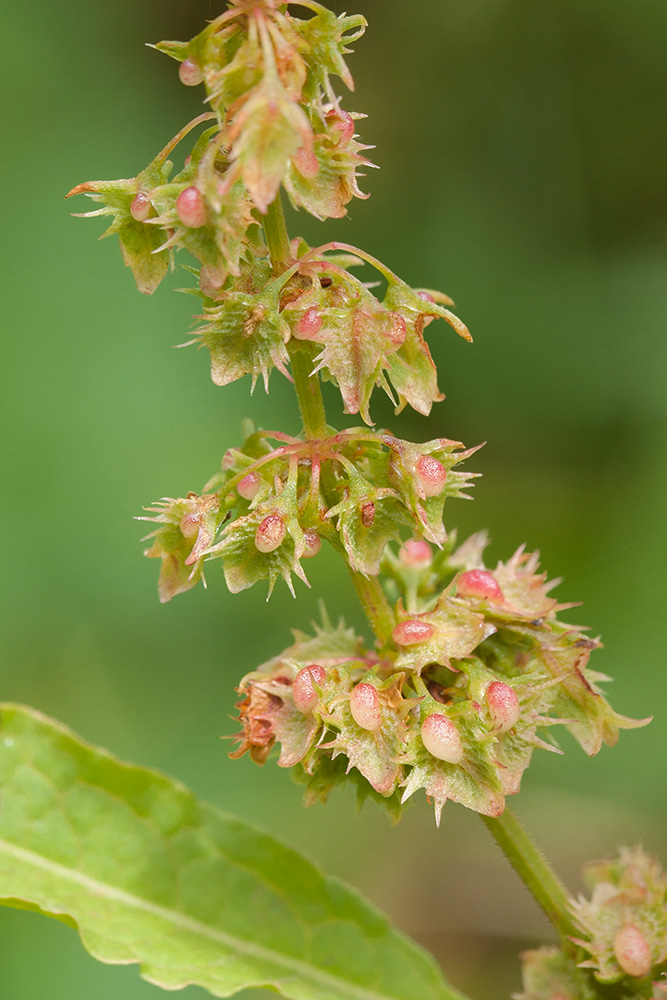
441	738
189	525
367	513
398	331
229	459
191	208
412	632
190	73
365	707
426	296
303	689
415	554
632	952
271	533
308	324
479	583
312	542
431	474
141	206
306	162
342	123
249	486
503	706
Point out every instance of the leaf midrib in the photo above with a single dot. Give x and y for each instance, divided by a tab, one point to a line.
186	923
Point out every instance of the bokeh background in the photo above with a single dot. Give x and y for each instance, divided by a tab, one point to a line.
523	150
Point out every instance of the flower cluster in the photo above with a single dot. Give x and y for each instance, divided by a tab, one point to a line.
456	699
270	507
623	934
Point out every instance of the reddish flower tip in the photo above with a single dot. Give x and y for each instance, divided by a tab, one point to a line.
431	474
479	583
503	706
415	553
632	952
249	486
303	689
365	707
441	738
411	632
191	208
312	543
190	73
271	533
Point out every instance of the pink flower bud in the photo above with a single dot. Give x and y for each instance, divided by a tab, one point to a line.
479	583
308	324
398	331
189	525
229	459
342	123
249	486
141	206
415	554
412	632
367	513
271	533
441	738
312	542
303	689
632	952
426	296
191	208
431	474
190	73
503	706
365	707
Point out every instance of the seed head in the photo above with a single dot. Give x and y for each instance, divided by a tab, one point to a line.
431	474
503	706
249	486
441	738
479	583
365	707
191	208
415	553
632	952
312	542
303	689
190	73
271	533
141	206
412	632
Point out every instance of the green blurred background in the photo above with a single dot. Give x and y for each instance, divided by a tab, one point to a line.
522	148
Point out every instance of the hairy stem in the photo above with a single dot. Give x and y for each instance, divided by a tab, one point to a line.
375	604
535	871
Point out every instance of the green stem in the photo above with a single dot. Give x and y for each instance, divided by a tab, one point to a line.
535	871
376	606
311	406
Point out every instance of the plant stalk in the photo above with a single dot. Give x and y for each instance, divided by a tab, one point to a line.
536	873
375	604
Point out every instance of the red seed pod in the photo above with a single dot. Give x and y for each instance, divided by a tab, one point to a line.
249	486
503	706
365	707
415	554
441	738
189	525
479	583
411	632
190	73
312	542
632	951
431	474
367	513
140	208
308	324
303	689
306	162
191	208
271	533
342	123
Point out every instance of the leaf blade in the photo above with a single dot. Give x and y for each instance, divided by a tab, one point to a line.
194	896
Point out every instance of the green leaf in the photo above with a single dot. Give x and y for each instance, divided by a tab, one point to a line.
195	896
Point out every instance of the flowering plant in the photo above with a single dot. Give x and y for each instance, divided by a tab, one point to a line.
469	666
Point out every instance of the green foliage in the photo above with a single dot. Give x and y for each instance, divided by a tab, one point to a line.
150	875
